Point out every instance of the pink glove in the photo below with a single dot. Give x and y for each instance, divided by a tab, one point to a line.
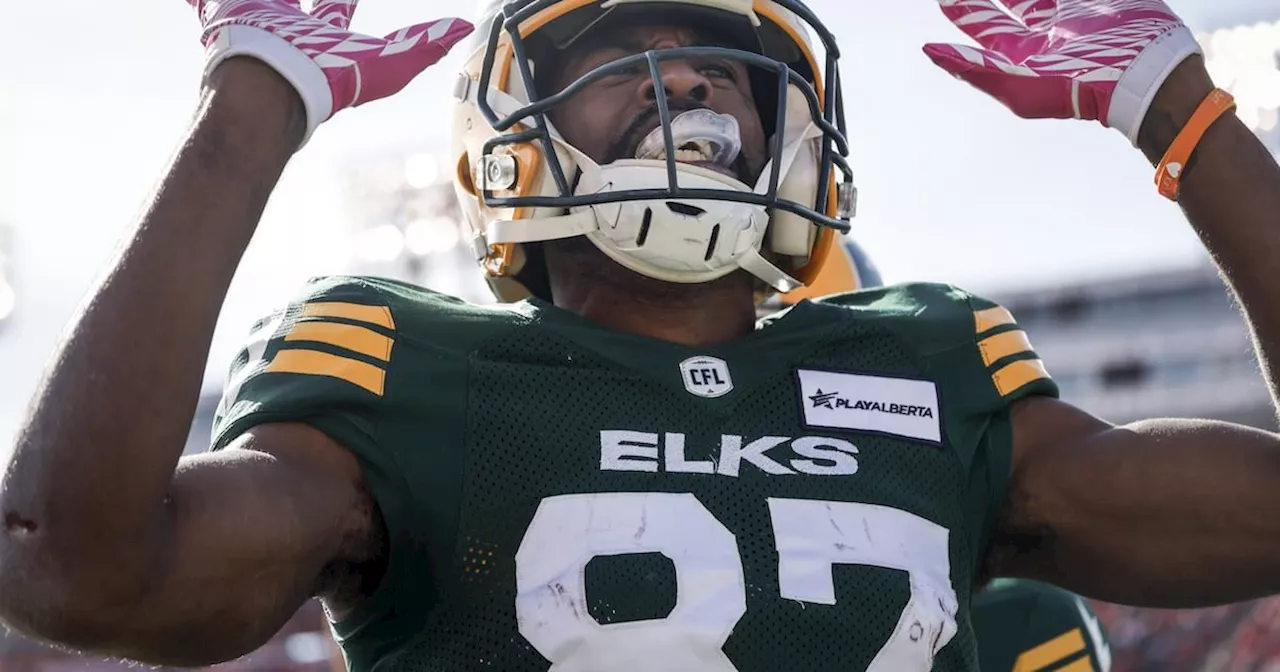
331	67
1099	60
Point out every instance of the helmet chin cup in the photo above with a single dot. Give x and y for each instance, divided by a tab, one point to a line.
677	239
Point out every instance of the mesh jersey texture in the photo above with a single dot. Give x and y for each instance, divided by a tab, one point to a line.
558	499
1029	625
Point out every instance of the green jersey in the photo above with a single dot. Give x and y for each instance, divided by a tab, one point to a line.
1027	626
813	496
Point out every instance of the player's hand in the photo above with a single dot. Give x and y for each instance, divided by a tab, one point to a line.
1098	60
331	67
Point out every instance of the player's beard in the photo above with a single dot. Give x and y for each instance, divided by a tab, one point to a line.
577	260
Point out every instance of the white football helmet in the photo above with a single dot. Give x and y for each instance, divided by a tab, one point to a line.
520	182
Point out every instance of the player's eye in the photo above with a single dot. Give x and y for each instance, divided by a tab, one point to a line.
718	71
620	72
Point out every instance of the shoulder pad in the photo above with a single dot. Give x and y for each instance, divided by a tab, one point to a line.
332	346
976	336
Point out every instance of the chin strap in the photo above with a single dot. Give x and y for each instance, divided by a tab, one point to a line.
544	228
754	263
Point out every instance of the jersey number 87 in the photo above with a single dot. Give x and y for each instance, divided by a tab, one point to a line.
567	531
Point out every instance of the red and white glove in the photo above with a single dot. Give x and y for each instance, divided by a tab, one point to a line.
1097	60
331	67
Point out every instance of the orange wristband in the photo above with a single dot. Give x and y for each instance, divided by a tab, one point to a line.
1169	171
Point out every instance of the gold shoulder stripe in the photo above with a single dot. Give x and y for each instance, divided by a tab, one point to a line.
379	315
316	363
348	336
1013	376
1050	652
1082	665
991	318
995	348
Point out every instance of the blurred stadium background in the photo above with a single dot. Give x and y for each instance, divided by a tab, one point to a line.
1123	345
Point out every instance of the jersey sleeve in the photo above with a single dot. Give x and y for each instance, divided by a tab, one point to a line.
991	359
321	360
324	360
982	362
1027	625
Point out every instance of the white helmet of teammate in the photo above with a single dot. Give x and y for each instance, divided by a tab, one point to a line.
520	182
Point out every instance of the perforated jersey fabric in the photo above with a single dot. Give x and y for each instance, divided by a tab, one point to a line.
564	497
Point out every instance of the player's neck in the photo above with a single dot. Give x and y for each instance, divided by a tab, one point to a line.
694	315
709	325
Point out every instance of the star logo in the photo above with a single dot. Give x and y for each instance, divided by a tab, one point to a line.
823	399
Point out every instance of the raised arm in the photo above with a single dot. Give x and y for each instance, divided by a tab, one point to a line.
1162	512
244	537
108	542
1166	512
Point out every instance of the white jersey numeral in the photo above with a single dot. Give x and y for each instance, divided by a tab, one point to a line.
811	537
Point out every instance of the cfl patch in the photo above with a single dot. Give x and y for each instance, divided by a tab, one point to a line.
895	406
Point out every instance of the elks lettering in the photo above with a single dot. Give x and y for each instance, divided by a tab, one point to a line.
626	450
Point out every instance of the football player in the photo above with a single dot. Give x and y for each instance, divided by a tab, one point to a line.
619	469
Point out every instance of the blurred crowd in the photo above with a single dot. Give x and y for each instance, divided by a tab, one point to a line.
1235	638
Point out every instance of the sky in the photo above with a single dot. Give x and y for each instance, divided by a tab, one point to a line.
953	188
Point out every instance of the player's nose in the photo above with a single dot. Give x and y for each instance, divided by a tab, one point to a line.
681	81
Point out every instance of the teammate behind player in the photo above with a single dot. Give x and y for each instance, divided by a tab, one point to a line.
1025	626
625	471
